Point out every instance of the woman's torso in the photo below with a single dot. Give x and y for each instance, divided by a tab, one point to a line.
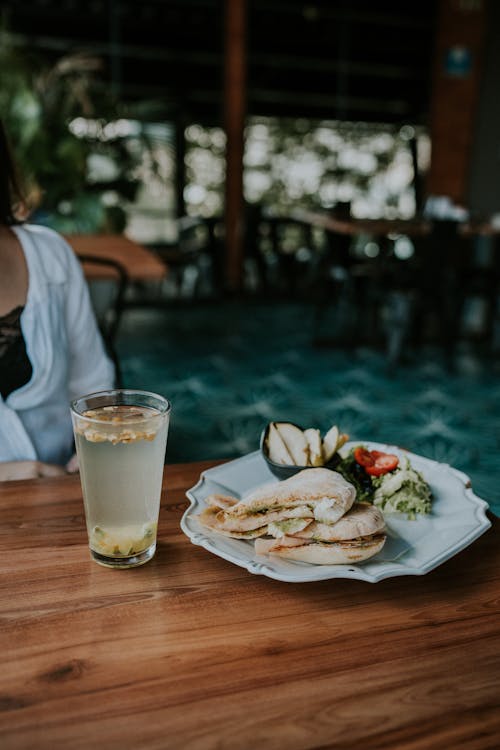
14	278
15	365
35	280
63	346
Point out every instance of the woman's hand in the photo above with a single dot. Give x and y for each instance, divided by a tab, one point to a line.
72	467
12	470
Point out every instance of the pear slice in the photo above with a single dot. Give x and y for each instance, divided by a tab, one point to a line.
276	447
313	438
295	442
342	440
330	442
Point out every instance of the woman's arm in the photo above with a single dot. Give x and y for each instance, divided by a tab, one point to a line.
12	470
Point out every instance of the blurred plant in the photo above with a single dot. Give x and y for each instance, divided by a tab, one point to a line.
59	163
311	164
298	163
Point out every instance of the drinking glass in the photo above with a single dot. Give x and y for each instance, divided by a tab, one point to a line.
121	438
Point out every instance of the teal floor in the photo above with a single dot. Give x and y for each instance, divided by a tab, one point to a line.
230	368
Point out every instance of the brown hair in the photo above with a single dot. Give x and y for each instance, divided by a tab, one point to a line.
11	194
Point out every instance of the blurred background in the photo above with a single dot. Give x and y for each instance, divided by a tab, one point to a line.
128	102
319	184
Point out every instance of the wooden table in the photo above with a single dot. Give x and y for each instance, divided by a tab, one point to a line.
139	262
385	227
355	227
191	651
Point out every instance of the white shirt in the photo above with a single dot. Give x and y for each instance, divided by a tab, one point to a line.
64	347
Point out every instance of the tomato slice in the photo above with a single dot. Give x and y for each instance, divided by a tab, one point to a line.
383	463
375	463
363	457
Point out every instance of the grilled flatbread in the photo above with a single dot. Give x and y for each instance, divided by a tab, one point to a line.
307	487
212	518
322	553
361	521
224	521
357	536
221	501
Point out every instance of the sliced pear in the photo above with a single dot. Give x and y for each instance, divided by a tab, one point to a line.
343	438
313	438
276	447
330	442
295	442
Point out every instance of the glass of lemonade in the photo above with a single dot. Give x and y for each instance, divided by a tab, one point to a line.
121	438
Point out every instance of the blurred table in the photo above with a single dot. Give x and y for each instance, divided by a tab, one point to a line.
379	227
190	651
139	263
385	227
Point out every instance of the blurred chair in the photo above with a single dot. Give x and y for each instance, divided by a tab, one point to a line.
444	260
428	297
333	275
197	248
494	320
483	286
293	249
350	284
398	308
255	263
107	287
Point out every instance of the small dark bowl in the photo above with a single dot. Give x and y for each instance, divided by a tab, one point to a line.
284	471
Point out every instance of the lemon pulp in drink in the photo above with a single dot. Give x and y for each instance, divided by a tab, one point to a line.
121	450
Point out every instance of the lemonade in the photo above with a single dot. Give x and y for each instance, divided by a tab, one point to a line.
121	451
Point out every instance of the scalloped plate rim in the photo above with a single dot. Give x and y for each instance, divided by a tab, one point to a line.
309	573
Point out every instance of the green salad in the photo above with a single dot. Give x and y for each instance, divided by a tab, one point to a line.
390	482
403	490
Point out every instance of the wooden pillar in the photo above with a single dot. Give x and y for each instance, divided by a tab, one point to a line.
455	94
234	122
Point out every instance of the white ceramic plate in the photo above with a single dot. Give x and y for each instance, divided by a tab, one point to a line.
413	547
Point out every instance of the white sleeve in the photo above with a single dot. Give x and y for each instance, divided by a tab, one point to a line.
89	367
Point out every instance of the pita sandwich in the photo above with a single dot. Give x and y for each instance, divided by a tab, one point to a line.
311	487
313	494
310	517
357	536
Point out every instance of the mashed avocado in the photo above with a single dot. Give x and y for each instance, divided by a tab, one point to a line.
288	526
402	490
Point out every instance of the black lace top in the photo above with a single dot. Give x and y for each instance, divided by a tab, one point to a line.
15	366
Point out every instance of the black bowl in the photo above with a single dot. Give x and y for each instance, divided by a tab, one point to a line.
284	471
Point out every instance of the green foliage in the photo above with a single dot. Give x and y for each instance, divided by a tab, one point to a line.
38	103
299	163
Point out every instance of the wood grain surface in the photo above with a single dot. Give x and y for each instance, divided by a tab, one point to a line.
140	263
190	651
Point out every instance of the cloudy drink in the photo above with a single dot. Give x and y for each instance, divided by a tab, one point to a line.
121	451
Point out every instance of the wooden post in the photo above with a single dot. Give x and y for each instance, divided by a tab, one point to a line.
454	105
234	121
